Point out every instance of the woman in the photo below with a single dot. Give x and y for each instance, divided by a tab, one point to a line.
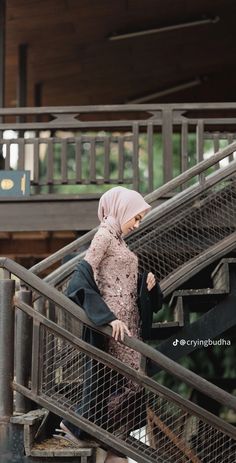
115	271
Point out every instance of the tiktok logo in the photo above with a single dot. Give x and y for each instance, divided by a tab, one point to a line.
175	343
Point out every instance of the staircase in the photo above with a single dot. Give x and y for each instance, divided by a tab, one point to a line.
215	309
179	241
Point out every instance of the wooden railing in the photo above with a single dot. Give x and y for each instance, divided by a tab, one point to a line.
56	349
141	146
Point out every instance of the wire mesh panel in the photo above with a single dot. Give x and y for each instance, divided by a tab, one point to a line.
188	225
171	241
135	413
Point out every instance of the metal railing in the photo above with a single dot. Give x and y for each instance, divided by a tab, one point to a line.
181	236
141	146
111	401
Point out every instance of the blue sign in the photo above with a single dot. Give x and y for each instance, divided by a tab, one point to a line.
14	182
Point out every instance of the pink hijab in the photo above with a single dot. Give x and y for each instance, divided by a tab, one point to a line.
118	205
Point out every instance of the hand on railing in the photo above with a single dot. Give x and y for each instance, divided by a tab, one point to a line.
119	329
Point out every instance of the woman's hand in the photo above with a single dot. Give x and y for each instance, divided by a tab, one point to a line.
151	281
119	329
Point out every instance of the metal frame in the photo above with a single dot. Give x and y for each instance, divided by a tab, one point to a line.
62	301
161	211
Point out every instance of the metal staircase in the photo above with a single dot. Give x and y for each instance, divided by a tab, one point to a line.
215	307
57	383
190	232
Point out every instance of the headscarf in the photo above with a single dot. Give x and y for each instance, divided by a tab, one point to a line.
118	205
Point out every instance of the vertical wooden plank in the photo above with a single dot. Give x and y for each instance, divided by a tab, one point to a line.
49	161
22	74
150	155
92	175
78	160
143	364
23	333
216	142
200	146
107	159
216	147
135	156
8	155
21	153
121	159
7	291
2	51
200	140
230	139
38	93
167	135
184	146
64	171
35	356
36	161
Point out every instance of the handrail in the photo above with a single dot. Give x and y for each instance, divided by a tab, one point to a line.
116	363
59	274
164	362
114	108
150	198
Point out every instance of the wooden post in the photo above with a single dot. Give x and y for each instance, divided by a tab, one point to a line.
38	95
2	51
7	288
2	65
167	134
38	90
22	75
135	156
23	350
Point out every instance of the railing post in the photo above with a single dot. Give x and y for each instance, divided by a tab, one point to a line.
150	155
136	156
2	66
2	51
7	288
167	135
23	349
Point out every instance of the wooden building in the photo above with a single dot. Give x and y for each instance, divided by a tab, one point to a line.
60	54
76	52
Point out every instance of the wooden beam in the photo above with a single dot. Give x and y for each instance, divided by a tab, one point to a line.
32	247
46	214
2	63
22	75
38	88
2	50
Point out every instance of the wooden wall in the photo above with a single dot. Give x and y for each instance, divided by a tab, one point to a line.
69	51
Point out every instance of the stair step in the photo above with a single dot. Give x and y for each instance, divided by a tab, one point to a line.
48	446
165	324
197	299
53	447
211	324
162	330
226	260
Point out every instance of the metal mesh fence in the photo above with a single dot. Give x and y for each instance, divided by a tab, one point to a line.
160	428
169	242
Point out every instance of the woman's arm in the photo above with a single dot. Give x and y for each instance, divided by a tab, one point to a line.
97	250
